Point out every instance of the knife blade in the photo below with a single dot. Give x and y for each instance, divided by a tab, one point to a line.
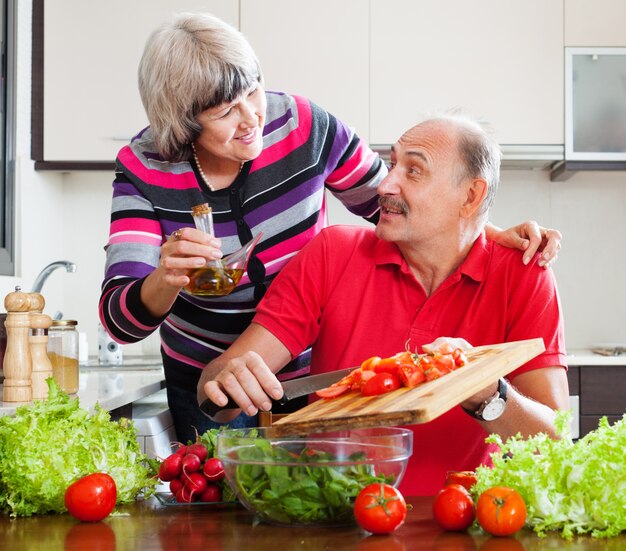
293	388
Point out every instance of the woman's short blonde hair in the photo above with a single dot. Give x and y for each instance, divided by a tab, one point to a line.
191	64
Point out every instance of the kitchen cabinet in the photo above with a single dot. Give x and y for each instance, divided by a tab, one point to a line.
378	65
598	385
502	61
87	54
602	393
595	23
305	50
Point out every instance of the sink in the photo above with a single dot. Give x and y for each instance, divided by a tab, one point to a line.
129	363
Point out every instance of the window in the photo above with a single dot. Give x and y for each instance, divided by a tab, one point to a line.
7	137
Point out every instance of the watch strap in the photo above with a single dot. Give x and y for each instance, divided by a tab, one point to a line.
500	393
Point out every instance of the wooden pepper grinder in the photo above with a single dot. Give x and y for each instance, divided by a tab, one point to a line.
17	361
38	340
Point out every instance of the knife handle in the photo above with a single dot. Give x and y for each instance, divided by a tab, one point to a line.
210	409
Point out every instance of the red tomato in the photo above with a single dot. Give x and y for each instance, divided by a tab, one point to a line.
380	384
431	373
465	478
388	365
444	363
370	363
411	375
453	508
332	391
92	497
501	511
351	379
380	508
405	357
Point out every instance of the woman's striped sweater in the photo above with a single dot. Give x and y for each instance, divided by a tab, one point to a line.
282	193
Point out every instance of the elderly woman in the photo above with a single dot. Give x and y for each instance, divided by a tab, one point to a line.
263	161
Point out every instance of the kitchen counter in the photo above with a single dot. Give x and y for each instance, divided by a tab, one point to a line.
112	387
586	357
150	526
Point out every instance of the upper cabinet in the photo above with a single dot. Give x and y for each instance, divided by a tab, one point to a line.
599	23
88	106
501	61
318	49
378	65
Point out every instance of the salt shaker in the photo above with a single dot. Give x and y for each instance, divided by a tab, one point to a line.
17	359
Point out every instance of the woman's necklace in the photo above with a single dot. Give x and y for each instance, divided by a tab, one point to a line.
202	174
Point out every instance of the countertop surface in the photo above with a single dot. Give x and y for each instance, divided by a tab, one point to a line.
148	525
111	386
584	356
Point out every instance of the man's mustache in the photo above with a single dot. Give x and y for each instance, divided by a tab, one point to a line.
391	203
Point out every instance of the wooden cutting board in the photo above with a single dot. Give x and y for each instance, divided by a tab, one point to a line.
407	406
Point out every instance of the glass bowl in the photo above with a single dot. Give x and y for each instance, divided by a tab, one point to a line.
312	479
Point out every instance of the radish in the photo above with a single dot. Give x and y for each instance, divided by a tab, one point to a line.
184	495
213	469
191	464
175	485
171	467
212	494
196	483
199	450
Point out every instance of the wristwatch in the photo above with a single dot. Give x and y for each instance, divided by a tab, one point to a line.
493	407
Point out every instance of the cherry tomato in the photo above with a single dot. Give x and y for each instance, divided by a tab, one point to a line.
380	384
380	508
370	363
501	511
388	365
453	508
432	373
405	357
92	497
444	363
352	378
411	375
465	478
332	391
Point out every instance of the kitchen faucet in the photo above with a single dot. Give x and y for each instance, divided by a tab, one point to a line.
45	273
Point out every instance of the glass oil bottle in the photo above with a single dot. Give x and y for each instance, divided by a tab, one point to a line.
217	277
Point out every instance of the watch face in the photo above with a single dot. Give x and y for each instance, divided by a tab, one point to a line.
493	409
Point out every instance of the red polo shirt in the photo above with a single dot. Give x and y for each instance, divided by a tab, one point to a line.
353	296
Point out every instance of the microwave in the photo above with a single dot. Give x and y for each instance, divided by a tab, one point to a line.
595	104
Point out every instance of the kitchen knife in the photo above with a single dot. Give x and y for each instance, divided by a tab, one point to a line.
294	388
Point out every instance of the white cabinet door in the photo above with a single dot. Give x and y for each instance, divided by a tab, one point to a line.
500	59
92	51
316	49
601	23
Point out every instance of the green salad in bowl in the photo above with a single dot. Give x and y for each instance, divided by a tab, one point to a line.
312	479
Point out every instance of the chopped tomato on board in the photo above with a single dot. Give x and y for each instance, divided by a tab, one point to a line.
408	370
332	391
411	375
381	383
444	363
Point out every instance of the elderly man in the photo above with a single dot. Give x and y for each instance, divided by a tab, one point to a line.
426	271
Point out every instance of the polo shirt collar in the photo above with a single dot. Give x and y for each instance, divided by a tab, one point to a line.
474	266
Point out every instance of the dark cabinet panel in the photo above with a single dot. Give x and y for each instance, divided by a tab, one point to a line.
573	378
590	422
603	390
